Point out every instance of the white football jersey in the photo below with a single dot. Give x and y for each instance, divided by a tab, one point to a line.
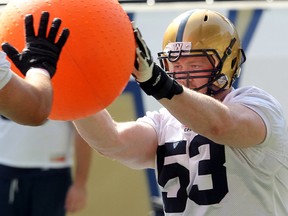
50	145
199	177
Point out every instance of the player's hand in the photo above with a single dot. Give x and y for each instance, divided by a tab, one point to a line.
40	51
76	198
143	61
152	79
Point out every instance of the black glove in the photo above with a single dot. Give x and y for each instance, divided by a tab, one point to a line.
152	79
40	51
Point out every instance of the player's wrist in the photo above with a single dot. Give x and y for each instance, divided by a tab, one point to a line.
35	70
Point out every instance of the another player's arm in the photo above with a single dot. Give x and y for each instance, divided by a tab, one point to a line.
76	196
27	101
132	143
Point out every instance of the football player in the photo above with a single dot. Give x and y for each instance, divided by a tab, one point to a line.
217	150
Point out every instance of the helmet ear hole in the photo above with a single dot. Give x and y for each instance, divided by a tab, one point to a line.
233	62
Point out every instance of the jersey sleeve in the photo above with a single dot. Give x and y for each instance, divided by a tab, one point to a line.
5	72
266	106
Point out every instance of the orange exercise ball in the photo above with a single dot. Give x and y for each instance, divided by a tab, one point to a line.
95	63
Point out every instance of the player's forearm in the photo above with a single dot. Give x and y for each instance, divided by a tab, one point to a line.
229	124
27	101
98	130
131	143
199	112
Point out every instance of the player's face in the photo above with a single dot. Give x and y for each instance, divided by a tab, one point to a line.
194	67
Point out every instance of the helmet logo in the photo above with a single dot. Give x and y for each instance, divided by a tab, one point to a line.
178	46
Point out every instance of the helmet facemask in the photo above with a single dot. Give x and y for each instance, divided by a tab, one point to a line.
174	56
